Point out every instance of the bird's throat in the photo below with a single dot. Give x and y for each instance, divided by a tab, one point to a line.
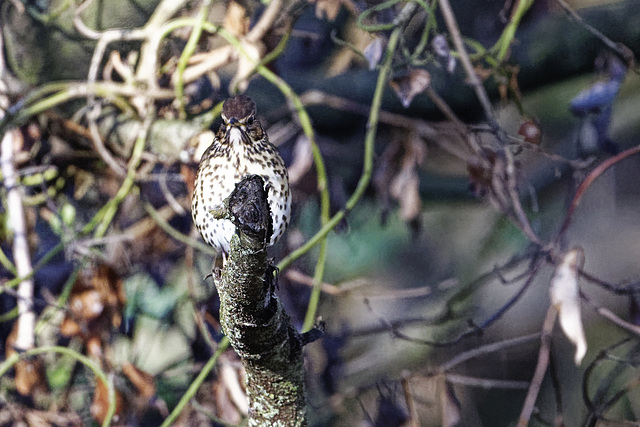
235	136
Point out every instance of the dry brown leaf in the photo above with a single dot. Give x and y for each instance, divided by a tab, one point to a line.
111	287
11	341
407	87
188	174
100	404
95	306
232	376
30	376
69	327
397	175
236	20
482	169
565	296
406	189
225	409
142	380
482	72
86	305
93	346
229	394
328	9
513	82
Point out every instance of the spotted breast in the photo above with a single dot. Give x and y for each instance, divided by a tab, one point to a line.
241	147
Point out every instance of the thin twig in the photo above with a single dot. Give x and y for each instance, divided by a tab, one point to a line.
541	367
625	53
628	289
299	277
608	314
159	219
536	263
512	189
414	420
486	383
484	350
197	382
265	22
595	174
317	97
474	80
103	218
107	380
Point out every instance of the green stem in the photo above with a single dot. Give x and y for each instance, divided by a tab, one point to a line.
50	311
367	169
504	42
43	261
54	94
162	223
9	315
377	27
6	263
188	51
314	298
195	385
103	218
93	366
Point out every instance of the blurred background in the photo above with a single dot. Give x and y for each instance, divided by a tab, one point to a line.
434	286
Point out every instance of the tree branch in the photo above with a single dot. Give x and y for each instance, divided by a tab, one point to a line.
21	257
252	317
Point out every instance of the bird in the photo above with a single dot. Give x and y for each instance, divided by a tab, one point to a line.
241	147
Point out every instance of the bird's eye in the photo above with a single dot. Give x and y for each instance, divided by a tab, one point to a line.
250	120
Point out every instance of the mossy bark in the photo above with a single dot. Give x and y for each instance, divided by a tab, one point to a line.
253	318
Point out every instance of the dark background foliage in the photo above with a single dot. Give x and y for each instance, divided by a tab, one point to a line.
452	204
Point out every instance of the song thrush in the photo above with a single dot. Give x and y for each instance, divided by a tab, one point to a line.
240	147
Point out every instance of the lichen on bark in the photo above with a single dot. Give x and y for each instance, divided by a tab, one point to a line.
252	317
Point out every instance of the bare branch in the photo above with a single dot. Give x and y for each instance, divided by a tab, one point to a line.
21	257
541	367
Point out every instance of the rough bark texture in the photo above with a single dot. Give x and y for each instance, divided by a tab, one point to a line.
253	318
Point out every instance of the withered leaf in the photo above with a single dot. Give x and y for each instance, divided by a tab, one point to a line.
142	380
94	347
328	9
236	20
408	86
86	305
373	52
565	296
30	376
397	175
100	403
96	303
